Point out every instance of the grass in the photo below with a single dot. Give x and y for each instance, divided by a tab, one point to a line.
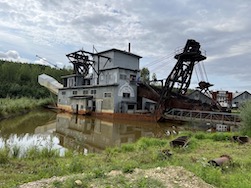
9	106
146	153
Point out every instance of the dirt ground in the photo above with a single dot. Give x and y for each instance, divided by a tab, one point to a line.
171	177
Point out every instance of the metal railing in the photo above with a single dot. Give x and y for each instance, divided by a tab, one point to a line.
209	116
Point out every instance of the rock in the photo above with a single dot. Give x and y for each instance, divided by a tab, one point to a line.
78	182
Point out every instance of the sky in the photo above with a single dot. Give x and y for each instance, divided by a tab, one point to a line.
155	29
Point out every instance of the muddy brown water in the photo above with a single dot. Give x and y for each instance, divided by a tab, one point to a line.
44	128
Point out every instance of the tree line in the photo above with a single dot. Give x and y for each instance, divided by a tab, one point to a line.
21	79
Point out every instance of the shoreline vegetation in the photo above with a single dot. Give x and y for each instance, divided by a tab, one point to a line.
93	169
10	107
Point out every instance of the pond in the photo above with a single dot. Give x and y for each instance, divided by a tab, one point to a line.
44	128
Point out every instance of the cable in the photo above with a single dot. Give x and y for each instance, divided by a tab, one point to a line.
204	70
160	59
195	69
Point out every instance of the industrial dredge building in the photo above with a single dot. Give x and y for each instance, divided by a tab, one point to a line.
107	84
102	83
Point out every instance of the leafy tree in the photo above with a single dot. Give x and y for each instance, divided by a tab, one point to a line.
21	79
145	74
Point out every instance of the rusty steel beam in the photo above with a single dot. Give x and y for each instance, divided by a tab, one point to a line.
179	79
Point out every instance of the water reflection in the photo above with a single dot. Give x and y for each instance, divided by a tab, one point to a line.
88	134
60	131
26	123
33	129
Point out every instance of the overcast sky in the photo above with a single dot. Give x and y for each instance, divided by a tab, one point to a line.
155	29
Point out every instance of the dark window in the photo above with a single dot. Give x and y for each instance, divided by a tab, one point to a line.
130	107
85	92
126	95
93	92
63	92
106	95
74	92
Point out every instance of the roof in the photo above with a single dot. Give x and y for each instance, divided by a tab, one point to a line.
117	50
197	91
237	94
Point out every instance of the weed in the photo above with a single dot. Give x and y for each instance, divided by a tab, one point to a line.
76	165
57	184
200	136
4	158
144	143
32	153
128	147
129	166
146	182
221	137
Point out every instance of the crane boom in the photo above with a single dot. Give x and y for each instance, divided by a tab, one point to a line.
47	61
179	79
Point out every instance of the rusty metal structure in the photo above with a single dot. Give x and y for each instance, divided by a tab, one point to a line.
87	69
172	94
222	160
179	79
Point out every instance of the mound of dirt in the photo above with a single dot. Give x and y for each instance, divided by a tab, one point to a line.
169	176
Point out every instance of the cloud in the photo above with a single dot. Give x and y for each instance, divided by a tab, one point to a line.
10	55
155	29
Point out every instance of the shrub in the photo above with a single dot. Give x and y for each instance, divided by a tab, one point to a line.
221	136
200	136
4	156
245	114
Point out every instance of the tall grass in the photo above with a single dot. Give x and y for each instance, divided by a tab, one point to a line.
245	114
11	106
144	154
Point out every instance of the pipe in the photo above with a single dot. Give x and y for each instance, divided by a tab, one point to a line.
220	161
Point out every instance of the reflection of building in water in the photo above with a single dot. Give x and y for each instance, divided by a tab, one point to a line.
94	135
50	127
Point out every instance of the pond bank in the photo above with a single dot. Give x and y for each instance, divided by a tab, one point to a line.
13	107
97	170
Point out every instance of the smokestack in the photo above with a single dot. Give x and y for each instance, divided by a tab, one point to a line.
129	47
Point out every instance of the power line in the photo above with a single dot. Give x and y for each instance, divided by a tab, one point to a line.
159	60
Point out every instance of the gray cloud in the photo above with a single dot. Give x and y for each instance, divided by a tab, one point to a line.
11	54
155	29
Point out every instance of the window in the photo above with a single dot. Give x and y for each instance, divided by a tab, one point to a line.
107	95
74	92
126	95
85	92
132	77
130	107
122	76
93	91
63	92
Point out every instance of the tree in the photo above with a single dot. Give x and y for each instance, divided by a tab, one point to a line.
145	74
154	77
20	79
245	114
